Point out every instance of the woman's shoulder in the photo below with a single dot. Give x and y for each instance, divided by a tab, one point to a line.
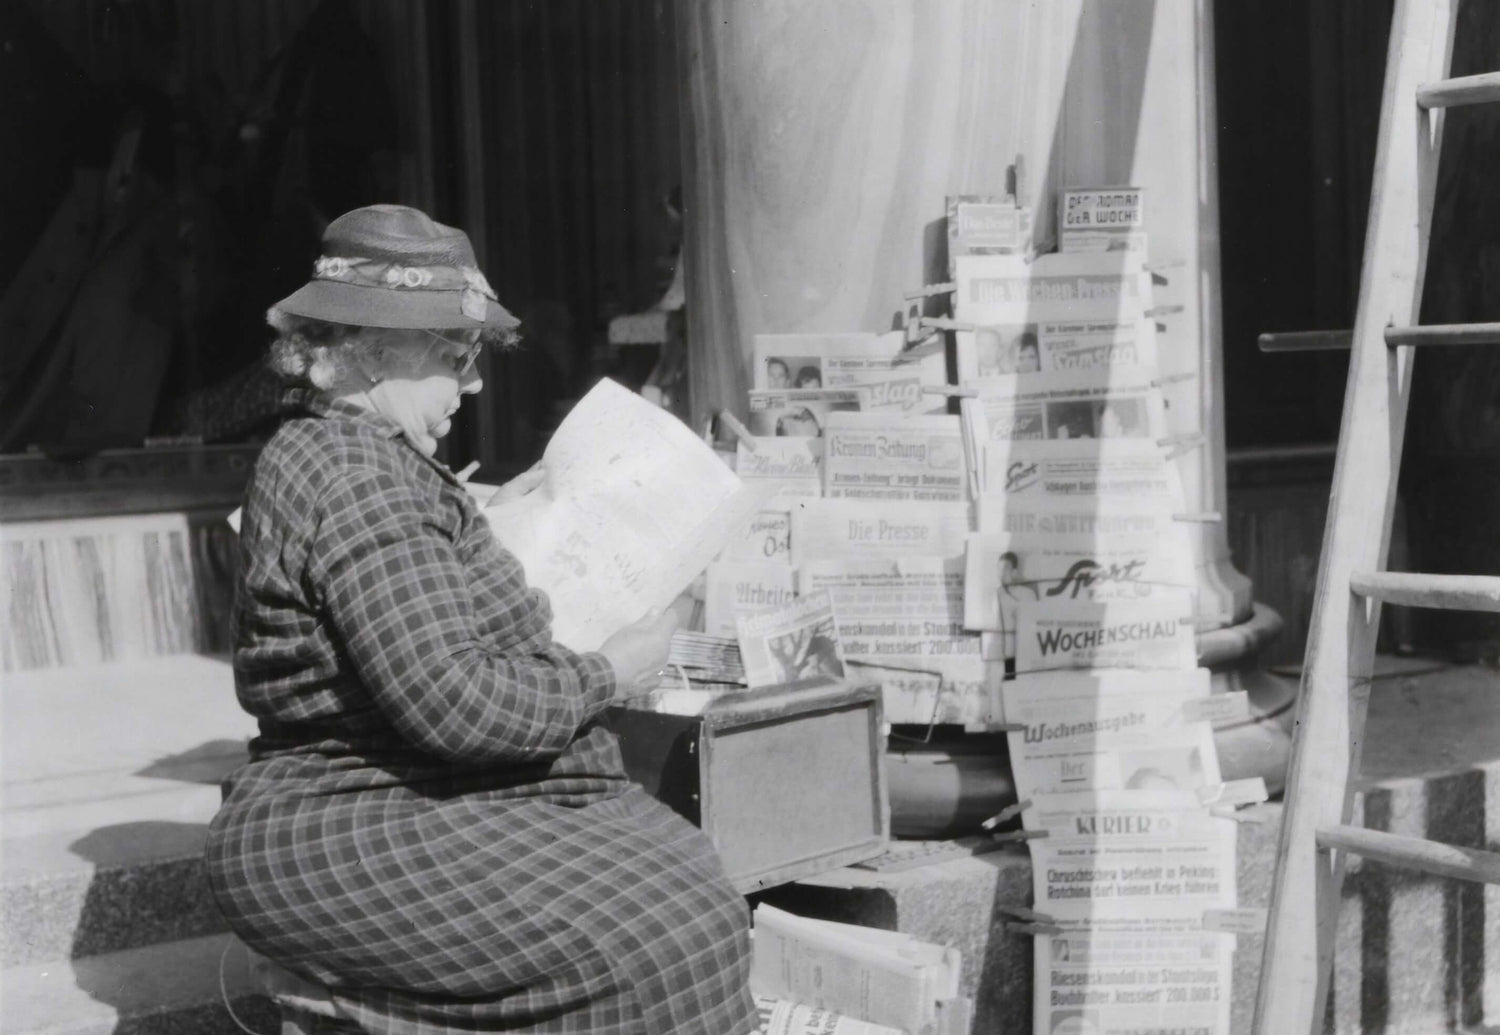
312	459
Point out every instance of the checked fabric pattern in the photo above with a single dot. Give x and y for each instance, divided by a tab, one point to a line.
433	823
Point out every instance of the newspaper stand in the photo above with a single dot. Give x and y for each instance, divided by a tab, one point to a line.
786	780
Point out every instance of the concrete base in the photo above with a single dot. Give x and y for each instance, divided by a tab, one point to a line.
1416	955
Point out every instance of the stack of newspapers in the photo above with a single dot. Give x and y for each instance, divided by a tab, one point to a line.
817	977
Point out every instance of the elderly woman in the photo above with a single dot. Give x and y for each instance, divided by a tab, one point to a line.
433	822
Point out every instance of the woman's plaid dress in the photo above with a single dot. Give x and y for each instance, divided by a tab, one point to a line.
433	824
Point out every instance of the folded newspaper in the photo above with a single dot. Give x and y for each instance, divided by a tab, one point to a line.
632	509
881	977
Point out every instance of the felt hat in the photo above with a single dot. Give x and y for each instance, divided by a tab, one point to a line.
394	266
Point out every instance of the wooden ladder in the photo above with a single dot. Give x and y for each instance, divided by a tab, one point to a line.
1316	838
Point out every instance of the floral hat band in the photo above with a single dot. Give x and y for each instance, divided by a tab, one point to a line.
394	266
375	273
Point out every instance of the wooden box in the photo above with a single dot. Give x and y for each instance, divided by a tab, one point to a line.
786	781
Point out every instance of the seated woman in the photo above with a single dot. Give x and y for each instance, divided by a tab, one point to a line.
433	823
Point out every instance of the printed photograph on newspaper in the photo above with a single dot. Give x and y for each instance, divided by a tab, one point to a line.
876	456
1156	633
824	529
901	623
798	412
891	378
1108	730
795	642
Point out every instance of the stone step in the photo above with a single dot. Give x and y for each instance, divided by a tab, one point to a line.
108	779
173	988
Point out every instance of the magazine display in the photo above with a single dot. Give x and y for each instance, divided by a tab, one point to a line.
849	528
984	224
877	456
789	466
900	622
1108	730
1128	469
1138	634
1117	403
798	412
797	641
891	380
736	589
1055	312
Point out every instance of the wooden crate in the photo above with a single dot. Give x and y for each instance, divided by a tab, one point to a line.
786	781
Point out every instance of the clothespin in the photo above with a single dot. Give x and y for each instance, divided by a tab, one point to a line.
1206	517
946	288
1164	264
1176	445
1019	835
1032	929
1008	813
737	429
942	323
1249	814
1172	379
960	391
1030	916
1163	310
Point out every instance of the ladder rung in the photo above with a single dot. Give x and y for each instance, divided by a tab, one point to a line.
1413	589
1305	341
1445	334
1414	853
1451	93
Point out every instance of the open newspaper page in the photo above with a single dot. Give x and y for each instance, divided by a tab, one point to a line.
876	456
1109	730
825	529
890	377
901	622
1131	878
632	509
1157	633
797	641
1052	312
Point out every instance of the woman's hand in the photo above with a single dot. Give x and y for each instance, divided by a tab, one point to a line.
522	484
639	651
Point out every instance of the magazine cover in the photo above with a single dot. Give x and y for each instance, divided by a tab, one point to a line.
798	412
798	641
891	378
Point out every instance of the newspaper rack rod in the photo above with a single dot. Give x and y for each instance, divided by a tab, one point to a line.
1430	334
1454	93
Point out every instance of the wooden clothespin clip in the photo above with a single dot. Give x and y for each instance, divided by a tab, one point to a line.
1172	379
961	391
931	289
942	323
738	430
1249	814
1176	445
1032	930
1164	264
1206	517
1019	835
1030	916
1004	815
1163	310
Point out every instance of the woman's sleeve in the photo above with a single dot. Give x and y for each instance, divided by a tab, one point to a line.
391	580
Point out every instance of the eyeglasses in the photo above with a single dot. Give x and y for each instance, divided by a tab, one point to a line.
461	362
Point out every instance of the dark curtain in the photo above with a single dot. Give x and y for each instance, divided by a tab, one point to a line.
1299	85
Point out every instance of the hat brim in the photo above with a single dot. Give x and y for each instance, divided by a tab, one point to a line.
362	306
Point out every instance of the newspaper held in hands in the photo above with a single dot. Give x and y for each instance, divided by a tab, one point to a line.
792	643
632	508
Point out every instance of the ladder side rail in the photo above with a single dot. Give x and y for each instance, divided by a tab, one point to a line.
1297	959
